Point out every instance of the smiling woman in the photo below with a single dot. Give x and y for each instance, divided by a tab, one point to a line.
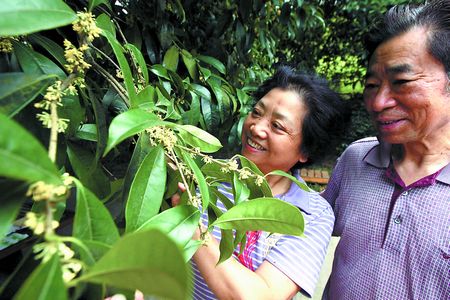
293	123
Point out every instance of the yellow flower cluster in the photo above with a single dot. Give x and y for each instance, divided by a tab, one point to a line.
37	223
231	166
75	58
164	135
207	159
46	120
244	174
6	45
70	267
85	24
42	191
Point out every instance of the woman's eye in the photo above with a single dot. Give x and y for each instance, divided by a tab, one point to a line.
278	126
370	85
256	112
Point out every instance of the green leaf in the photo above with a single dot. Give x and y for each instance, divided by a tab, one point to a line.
19	17
13	195
201	181
160	71
88	171
267	214
226	245
219	66
190	63
255	190
72	110
143	147
45	282
192	117
128	124
22	156
94	3
124	66
92	220
300	184
104	23
146	98
201	91
197	137
17	90
147	190
52	48
137	54
240	190
214	170
148	261
171	57
178	222
35	63
87	132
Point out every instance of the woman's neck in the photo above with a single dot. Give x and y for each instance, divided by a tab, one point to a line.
278	184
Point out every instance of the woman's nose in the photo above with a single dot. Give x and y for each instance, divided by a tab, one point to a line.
259	129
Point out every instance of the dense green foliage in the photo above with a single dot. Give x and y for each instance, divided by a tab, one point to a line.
99	121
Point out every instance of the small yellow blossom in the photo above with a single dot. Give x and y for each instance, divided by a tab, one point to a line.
119	74
6	45
70	270
207	159
75	58
164	135
244	174
259	180
85	24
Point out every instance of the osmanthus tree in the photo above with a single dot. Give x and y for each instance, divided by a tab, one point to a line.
76	96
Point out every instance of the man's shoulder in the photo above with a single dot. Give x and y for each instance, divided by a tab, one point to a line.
362	146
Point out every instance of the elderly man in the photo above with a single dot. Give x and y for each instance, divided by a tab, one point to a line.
391	195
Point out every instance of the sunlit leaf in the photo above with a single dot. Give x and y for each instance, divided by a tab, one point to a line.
267	214
148	261
178	222
104	23
19	17
197	137
147	190
128	124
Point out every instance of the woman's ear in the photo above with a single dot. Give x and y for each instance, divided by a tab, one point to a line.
303	158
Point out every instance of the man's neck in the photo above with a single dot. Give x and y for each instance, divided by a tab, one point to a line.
417	160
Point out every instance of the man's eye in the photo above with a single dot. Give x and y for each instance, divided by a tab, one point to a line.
401	81
371	85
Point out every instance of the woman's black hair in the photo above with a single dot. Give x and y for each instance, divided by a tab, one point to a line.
326	114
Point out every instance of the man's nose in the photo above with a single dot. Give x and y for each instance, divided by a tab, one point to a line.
379	100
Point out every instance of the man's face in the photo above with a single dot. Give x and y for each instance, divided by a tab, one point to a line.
406	90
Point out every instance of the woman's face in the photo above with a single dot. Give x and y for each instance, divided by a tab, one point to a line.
271	135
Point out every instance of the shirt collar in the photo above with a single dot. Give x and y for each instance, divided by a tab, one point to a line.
380	156
297	196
